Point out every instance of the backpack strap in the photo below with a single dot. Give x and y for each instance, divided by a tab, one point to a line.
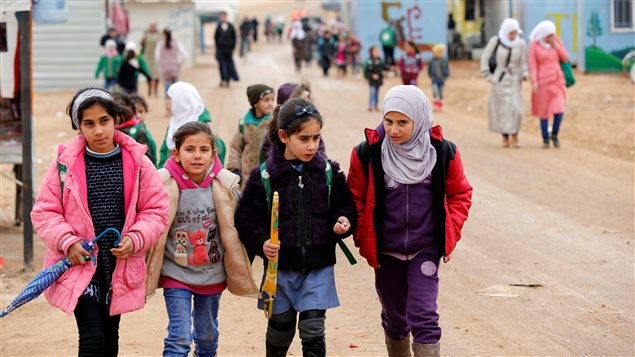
329	180
264	178
363	154
62	171
241	129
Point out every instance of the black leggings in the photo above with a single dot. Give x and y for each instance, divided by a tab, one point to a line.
98	331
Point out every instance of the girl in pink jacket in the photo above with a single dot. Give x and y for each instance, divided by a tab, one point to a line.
547	80
101	179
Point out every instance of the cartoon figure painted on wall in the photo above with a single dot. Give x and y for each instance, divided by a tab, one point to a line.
408	27
180	251
198	241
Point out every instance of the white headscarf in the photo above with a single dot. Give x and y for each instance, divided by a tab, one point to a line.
410	162
297	32
542	30
508	26
187	106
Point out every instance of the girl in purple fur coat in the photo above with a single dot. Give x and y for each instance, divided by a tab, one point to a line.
310	224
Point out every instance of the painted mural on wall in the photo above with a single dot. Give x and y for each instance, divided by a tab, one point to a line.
605	47
424	22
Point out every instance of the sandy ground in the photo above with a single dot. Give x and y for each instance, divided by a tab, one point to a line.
561	219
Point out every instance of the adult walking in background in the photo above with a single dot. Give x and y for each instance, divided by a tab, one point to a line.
245	31
506	97
170	56
298	43
254	26
225	39
547	79
148	47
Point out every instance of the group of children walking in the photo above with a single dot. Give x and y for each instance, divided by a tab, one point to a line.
410	66
159	57
191	228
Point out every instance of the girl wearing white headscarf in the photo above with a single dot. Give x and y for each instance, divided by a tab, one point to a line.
506	98
186	105
412	200
548	98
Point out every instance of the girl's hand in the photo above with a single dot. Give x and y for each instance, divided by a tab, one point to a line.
342	226
124	250
534	89
76	254
270	249
375	77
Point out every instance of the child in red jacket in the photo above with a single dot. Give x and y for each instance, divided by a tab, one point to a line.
412	199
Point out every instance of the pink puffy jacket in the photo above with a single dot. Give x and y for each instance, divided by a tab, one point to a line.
61	224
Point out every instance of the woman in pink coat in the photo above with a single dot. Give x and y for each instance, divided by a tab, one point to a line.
547	80
101	179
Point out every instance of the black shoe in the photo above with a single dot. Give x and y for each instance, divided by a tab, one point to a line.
275	351
545	143
314	348
556	142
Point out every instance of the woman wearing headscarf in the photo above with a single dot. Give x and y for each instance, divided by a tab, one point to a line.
185	105
297	36
549	93
412	199
506	97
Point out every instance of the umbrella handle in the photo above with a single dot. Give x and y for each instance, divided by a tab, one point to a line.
109	230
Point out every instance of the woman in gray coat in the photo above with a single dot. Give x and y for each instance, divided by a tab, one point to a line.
506	98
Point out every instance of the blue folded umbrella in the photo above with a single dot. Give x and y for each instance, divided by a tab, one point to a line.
48	276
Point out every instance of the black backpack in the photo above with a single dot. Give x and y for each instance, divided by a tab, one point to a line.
492	59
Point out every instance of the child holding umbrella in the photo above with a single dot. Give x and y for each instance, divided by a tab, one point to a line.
101	179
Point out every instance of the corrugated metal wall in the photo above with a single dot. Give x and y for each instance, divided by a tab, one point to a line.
65	55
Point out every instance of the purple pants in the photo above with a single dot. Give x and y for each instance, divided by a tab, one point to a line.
408	293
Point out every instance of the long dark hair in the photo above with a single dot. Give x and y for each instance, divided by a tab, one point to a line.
168	37
285	118
124	100
189	129
119	112
414	46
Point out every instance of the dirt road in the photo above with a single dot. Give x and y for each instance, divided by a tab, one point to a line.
559	223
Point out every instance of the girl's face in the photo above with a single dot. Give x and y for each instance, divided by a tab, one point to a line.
304	144
512	35
398	127
98	127
195	155
265	105
375	53
410	48
140	111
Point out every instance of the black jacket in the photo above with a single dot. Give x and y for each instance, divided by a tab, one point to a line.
305	218
374	66
225	40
